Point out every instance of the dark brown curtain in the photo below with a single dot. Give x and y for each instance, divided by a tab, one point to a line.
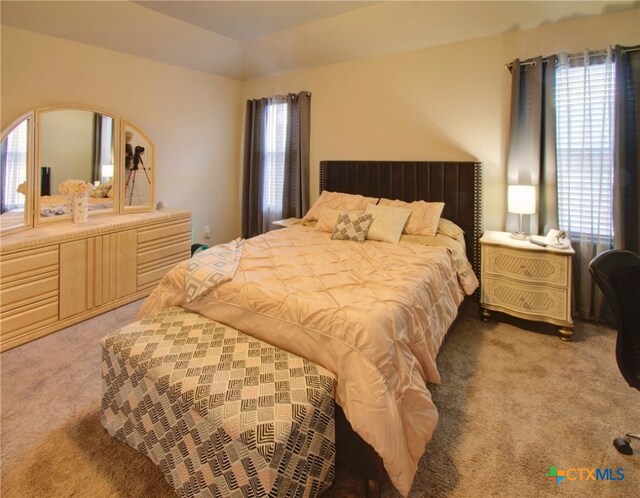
252	191
97	148
532	140
626	175
295	201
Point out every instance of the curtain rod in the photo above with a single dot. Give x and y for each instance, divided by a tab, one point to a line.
599	53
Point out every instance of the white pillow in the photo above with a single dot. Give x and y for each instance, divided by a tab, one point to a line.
387	223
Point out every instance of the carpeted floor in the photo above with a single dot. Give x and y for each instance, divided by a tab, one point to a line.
512	403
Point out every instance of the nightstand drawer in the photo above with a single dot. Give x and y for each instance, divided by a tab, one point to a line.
527	266
526	299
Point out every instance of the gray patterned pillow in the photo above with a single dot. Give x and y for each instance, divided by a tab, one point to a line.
351	226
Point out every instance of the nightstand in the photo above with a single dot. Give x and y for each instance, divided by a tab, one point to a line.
526	281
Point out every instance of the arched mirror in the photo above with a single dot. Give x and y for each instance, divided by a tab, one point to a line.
45	148
75	144
15	175
139	160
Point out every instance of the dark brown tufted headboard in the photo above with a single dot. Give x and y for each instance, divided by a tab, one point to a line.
457	184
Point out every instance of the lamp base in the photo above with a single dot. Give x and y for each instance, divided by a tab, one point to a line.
519	236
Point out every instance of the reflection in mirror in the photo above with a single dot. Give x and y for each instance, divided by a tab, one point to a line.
14	156
75	144
138	181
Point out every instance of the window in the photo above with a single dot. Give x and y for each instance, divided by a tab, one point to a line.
584	147
276	150
275	143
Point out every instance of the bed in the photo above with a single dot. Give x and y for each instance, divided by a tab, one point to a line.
374	314
55	205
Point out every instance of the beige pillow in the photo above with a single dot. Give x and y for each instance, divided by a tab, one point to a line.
449	228
424	215
339	201
327	220
387	223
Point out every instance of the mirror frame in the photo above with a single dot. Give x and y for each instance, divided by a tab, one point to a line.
32	216
27	220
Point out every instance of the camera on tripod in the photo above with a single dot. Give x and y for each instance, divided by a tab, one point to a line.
138	151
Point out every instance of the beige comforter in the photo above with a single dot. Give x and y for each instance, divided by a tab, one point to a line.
375	314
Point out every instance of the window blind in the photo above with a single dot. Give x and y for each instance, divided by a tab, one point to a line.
275	143
584	146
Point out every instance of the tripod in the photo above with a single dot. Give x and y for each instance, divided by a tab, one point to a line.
131	177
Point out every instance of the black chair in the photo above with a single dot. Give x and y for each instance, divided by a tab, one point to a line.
617	273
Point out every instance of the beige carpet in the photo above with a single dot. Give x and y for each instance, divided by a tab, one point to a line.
512	403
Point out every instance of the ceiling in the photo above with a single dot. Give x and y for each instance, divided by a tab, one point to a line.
244	20
249	39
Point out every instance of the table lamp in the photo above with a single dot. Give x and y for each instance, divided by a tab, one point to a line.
521	200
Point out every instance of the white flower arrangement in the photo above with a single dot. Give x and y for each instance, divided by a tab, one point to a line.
74	187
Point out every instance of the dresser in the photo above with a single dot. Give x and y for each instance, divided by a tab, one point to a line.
526	281
59	274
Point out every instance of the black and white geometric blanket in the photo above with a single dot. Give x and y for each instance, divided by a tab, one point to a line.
222	414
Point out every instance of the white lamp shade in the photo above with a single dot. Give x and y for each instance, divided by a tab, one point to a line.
521	199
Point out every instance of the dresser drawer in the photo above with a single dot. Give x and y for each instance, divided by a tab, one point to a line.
23	320
525	299
28	277
170	248
29	291
527	266
160	248
22	265
161	231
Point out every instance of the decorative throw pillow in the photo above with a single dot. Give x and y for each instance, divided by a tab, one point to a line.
387	223
351	226
339	201
449	228
424	215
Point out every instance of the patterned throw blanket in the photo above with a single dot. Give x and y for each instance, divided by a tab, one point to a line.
211	268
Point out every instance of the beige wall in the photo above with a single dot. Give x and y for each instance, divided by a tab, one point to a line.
444	103
192	117
66	145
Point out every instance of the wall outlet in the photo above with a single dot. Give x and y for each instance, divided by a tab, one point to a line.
207	232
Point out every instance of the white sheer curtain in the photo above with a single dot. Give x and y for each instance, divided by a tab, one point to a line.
274	158
585	87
